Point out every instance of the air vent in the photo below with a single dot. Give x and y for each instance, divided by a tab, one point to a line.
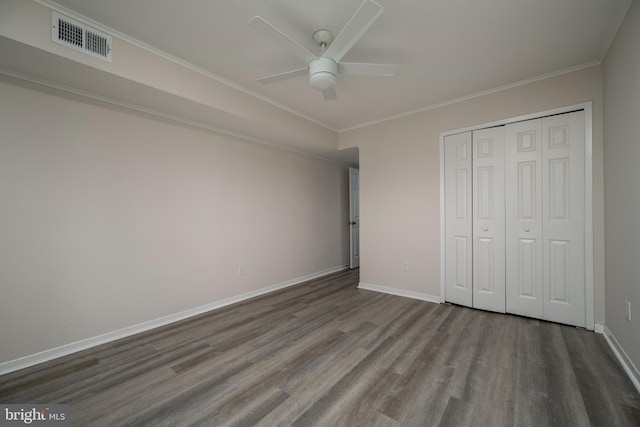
81	37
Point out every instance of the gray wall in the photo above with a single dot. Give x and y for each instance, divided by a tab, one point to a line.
111	218
622	183
400	179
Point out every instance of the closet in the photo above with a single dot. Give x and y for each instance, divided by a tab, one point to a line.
514	226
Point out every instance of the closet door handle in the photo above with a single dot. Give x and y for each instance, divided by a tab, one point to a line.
526	230
485	229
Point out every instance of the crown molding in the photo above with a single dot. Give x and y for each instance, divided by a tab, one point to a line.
160	114
165	55
475	95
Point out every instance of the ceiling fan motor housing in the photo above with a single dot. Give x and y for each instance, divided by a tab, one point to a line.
322	73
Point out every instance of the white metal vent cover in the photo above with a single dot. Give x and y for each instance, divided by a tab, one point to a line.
79	36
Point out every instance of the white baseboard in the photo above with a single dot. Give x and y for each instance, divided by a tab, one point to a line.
54	353
399	292
628	365
598	328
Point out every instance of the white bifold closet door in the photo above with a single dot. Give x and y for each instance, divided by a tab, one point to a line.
489	219
545	267
474	228
514	218
524	219
458	224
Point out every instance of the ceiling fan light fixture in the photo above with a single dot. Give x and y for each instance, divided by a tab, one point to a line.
323	81
324	69
322	74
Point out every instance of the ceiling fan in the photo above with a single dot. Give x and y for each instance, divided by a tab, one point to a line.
323	69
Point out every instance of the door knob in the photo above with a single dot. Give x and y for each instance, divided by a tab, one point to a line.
485	229
526	230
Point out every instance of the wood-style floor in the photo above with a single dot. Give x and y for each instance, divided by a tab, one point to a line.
326	353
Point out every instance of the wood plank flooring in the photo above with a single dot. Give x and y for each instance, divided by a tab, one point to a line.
328	354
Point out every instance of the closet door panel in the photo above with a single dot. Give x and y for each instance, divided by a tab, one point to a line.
488	219
563	213
458	219
524	248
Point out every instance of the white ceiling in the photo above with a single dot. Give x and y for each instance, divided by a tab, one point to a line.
447	48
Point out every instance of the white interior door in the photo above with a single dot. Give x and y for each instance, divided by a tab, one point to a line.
524	273
458	219
488	219
563	154
354	217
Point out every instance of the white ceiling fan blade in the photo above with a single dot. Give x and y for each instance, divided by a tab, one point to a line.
285	76
277	36
329	94
361	69
366	15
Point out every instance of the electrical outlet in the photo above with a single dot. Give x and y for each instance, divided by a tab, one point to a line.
405	265
240	269
627	310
